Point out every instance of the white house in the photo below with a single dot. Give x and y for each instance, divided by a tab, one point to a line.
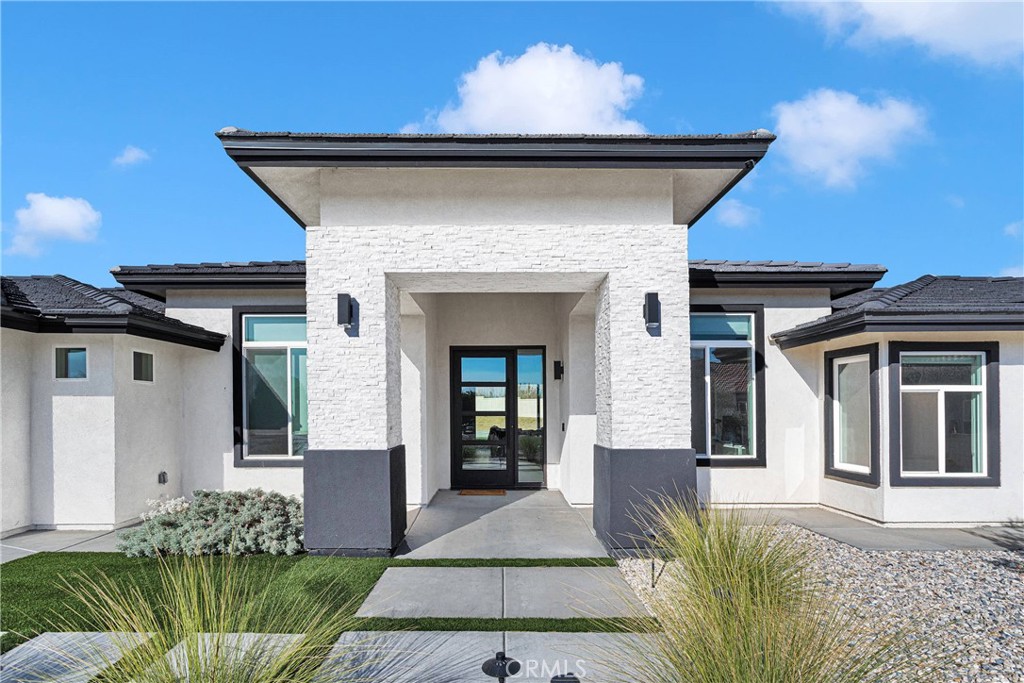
509	312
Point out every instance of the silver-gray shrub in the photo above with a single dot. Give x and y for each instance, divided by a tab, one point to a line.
219	523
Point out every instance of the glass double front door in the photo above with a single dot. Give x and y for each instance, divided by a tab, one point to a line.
498	421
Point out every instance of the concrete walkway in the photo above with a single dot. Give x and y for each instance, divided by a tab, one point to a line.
867	536
520	524
49	541
501	593
396	657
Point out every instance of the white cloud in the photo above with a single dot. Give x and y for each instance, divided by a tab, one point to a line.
1013	229
985	33
52	218
956	201
130	156
1012	271
833	135
547	89
733	213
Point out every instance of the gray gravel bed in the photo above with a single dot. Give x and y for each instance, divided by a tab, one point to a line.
969	602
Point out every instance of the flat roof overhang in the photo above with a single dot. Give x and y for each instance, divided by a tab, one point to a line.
263	156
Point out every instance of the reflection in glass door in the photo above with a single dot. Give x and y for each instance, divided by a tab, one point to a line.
497	418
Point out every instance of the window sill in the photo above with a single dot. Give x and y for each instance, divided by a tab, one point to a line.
730	461
865	479
295	461
900	481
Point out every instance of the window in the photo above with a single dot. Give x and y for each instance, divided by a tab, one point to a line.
71	363
275	417
942	399
851	415
943	419
142	366
726	420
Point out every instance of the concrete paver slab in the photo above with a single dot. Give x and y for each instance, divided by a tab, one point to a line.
590	656
65	657
521	524
435	592
411	657
247	649
568	592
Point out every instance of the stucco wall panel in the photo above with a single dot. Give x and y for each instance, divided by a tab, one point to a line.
792	411
207	404
16	370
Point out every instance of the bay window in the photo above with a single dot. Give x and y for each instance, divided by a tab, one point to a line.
943	417
275	418
726	387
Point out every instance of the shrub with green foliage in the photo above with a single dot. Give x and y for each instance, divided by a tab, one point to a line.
218	523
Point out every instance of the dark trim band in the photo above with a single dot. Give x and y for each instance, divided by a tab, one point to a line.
760	458
237	400
900	322
130	324
991	350
872	478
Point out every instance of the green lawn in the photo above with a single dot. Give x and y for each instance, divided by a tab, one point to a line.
32	597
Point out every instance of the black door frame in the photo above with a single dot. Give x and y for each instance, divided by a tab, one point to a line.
511	473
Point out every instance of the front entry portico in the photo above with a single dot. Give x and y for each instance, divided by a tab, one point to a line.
586	232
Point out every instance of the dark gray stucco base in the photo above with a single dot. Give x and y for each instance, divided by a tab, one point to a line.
626	480
354	501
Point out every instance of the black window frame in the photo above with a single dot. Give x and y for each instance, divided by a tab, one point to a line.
152	366
873	478
238	400
759	459
896	476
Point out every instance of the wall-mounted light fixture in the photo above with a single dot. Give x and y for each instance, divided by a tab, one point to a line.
652	310
345	310
559	369
161	478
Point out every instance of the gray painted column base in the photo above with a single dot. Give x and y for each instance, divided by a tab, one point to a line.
354	501
626	480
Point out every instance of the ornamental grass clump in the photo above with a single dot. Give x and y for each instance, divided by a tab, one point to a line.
218	523
739	602
213	620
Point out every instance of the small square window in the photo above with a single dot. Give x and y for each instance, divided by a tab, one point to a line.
71	363
142	366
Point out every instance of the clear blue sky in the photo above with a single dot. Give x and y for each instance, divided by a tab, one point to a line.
903	151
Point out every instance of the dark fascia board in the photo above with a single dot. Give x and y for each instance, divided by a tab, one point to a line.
838	283
156	285
122	324
671	152
900	322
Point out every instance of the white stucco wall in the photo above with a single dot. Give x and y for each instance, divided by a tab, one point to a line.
208	439
73	436
149	426
792	473
16	369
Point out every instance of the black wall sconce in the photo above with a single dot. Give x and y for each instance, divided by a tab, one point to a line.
161	478
345	315
652	310
559	369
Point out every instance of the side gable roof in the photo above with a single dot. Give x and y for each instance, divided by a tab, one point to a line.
927	303
56	303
